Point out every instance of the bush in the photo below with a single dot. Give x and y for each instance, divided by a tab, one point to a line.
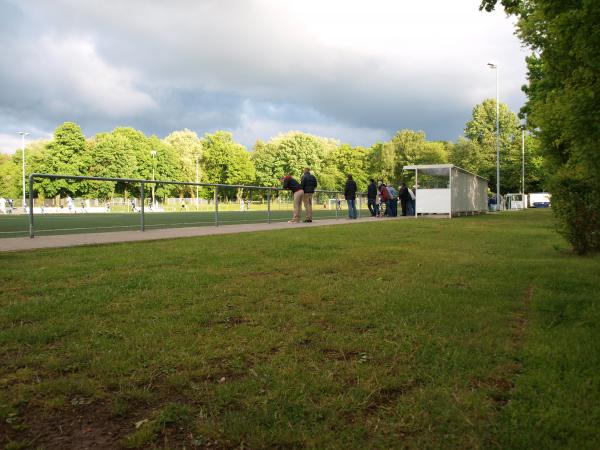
576	204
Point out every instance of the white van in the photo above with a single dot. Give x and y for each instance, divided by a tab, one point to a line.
539	200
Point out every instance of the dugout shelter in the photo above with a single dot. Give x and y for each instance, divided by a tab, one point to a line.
446	189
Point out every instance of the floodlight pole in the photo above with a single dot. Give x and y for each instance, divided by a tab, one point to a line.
497	69
23	134
197	156
153	154
523	162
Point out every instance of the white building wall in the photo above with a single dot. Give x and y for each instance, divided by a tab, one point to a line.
469	192
433	201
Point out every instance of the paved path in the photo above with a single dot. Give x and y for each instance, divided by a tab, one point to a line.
70	240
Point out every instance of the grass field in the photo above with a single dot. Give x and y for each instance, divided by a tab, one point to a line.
15	225
479	332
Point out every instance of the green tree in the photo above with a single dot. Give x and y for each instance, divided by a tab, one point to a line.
407	147
127	153
65	156
563	106
383	161
471	156
346	160
10	177
289	154
481	130
188	148
115	155
166	165
225	161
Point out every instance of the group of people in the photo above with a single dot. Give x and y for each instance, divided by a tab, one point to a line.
302	192
11	205
382	200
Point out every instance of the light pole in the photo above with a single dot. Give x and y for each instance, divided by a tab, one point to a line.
197	158
23	134
153	154
497	69
523	161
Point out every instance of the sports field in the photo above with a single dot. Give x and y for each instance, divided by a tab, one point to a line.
478	332
14	225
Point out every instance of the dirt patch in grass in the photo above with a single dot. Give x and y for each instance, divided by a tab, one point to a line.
341	355
83	427
385	397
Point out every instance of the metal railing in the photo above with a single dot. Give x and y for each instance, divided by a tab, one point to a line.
143	182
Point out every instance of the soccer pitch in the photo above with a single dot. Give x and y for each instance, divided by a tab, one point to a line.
14	225
476	332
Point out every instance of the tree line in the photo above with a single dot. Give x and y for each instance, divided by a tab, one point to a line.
563	107
218	158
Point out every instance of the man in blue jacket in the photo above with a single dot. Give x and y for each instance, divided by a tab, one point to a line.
350	196
308	183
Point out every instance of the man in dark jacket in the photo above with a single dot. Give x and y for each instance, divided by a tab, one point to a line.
294	187
372	198
404	199
350	196
308	183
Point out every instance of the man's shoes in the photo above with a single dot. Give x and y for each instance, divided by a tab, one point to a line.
293	221
307	221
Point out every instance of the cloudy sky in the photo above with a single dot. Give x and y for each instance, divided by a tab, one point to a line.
354	70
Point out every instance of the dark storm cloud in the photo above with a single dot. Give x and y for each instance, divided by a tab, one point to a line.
252	67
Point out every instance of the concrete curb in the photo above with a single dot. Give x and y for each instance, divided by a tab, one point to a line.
72	240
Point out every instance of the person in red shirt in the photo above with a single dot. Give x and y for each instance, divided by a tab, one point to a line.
384	194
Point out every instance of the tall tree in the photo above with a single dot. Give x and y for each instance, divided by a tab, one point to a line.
346	160
188	147
481	130
563	106
10	177
65	156
289	154
383	161
225	161
405	148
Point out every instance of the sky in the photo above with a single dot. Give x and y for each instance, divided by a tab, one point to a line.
356	71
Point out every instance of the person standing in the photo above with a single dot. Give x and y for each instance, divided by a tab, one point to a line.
308	183
404	199
393	201
350	196
294	187
69	203
372	198
384	194
413	203
2	205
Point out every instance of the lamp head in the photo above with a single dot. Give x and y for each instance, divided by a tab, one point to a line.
492	65
23	133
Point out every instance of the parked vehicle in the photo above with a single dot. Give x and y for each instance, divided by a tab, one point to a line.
539	200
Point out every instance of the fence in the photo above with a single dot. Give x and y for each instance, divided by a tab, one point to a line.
227	204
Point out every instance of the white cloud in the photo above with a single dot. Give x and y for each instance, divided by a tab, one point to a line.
363	66
82	80
9	143
254	125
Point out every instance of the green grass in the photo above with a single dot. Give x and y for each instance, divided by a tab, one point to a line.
476	332
15	225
